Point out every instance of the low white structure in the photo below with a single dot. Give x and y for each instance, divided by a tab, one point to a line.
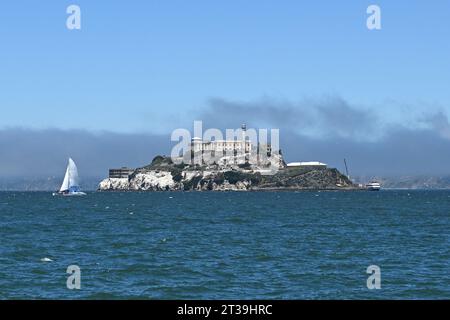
307	164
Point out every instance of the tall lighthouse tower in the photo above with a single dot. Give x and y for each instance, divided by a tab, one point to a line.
244	129
244	142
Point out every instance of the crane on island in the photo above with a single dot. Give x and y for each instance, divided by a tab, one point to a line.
346	169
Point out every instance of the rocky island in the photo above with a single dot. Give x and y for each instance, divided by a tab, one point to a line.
164	175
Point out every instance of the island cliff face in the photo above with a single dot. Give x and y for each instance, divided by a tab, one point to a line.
163	175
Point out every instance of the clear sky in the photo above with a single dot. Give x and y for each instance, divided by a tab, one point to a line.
141	66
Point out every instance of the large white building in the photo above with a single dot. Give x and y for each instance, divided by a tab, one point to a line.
240	145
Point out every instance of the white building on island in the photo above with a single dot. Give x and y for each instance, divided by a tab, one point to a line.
308	164
241	145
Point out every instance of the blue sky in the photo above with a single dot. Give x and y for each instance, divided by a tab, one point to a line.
138	69
147	66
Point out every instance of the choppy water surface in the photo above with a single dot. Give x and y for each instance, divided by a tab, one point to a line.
285	245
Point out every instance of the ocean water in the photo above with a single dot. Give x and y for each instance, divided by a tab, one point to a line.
249	245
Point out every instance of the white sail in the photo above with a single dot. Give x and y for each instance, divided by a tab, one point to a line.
73	174
65	184
71	177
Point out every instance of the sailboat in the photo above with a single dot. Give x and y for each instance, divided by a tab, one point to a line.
70	185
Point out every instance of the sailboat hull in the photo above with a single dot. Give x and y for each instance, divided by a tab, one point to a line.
70	194
74	194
